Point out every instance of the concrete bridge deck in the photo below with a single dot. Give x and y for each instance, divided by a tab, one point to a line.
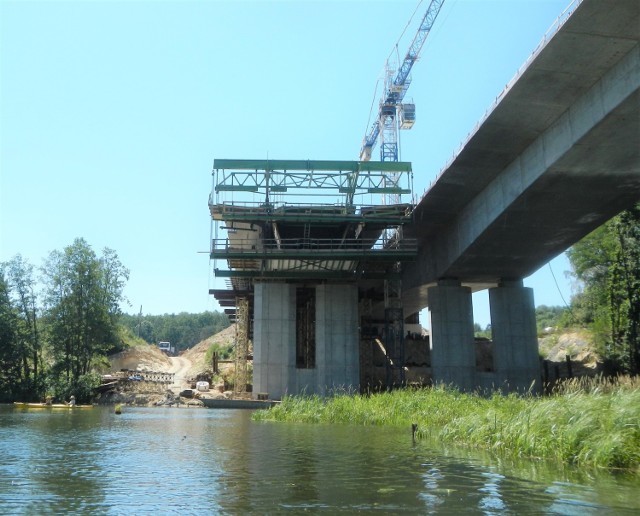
558	156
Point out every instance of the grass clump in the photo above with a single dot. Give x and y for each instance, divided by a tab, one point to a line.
584	424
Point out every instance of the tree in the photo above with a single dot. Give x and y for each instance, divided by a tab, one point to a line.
625	288
183	330
10	363
550	316
607	263
27	345
83	293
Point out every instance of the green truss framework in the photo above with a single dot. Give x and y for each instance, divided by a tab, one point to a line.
281	185
305	177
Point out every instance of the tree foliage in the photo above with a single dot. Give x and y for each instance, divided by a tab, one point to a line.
57	328
11	372
82	299
607	264
53	328
184	330
550	317
21	344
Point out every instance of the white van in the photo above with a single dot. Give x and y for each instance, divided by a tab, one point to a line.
166	347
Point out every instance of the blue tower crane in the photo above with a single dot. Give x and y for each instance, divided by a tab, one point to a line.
392	112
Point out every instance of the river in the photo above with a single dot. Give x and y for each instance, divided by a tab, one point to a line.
205	461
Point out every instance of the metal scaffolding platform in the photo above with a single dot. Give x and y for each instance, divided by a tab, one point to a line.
267	229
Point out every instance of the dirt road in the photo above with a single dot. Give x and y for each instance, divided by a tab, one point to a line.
179	366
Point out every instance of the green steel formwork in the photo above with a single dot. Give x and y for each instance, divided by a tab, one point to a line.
304	177
278	237
274	235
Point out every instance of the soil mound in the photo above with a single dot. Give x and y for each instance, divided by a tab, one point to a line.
146	357
569	354
573	344
197	354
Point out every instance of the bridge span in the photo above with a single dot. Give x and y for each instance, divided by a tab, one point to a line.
557	156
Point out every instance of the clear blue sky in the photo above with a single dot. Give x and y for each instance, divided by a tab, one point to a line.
111	114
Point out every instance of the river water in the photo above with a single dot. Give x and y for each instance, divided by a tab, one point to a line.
205	461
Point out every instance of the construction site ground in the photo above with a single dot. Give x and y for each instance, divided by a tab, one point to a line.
186	368
554	347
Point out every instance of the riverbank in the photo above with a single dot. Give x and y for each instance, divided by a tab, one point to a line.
589	423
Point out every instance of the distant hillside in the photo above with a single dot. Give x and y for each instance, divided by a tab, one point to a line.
183	330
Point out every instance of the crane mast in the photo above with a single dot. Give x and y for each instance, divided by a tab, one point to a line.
396	85
393	114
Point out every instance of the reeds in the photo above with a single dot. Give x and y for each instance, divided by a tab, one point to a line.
587	423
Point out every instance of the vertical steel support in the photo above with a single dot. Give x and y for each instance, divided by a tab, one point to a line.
242	345
365	311
394	330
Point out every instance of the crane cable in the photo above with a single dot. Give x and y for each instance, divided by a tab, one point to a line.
373	101
395	47
403	31
558	287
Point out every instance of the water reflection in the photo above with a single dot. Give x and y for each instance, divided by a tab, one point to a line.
491	502
181	461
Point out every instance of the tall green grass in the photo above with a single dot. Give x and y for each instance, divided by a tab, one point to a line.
588	424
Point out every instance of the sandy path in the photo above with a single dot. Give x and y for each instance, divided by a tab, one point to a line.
179	366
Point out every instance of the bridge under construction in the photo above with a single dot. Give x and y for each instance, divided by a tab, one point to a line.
313	285
326	291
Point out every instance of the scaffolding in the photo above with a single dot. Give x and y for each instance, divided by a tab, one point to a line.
267	228
394	330
242	346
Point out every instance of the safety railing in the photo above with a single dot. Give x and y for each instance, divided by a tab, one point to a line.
320	245
548	36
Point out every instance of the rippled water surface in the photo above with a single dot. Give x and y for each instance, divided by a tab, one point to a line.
199	461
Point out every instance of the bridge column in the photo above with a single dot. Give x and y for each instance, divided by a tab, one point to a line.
274	337
337	339
453	359
515	340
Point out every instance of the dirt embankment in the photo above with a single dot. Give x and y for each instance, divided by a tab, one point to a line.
185	368
197	354
188	364
577	346
141	358
145	358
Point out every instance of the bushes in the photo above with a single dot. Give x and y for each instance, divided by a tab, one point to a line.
225	352
83	388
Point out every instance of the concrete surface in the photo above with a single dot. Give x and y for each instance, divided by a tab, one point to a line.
557	157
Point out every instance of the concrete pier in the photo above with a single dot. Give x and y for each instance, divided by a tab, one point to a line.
337	337
515	340
273	333
453	359
334	364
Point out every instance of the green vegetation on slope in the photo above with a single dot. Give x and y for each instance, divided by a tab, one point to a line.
56	332
598	426
183	330
607	265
